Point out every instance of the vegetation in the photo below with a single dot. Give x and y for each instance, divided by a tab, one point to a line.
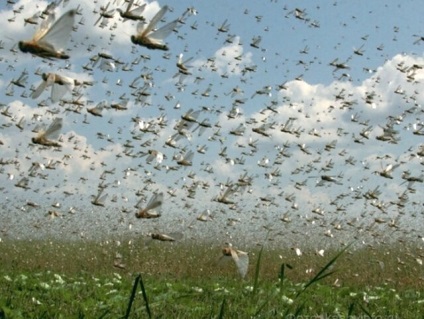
160	280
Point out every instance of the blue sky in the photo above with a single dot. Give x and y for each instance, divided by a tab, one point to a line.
325	104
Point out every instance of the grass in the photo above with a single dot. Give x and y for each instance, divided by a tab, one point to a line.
78	280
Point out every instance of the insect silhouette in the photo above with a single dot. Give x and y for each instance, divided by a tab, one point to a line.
240	258
60	86
154	39
45	137
50	39
155	202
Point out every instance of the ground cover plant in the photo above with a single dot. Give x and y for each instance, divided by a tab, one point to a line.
53	279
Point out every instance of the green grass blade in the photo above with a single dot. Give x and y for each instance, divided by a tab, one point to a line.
366	311
145	297
350	310
321	274
298	311
104	314
132	296
282	274
261	307
222	309
258	266
325	275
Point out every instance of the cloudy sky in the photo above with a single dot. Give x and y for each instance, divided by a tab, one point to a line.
300	110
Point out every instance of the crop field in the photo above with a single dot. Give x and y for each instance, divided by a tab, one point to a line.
52	279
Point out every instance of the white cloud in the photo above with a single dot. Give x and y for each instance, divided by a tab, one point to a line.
229	59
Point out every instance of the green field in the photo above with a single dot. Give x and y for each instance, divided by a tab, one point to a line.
46	279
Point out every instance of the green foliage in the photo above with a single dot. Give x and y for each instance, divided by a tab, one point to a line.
284	288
